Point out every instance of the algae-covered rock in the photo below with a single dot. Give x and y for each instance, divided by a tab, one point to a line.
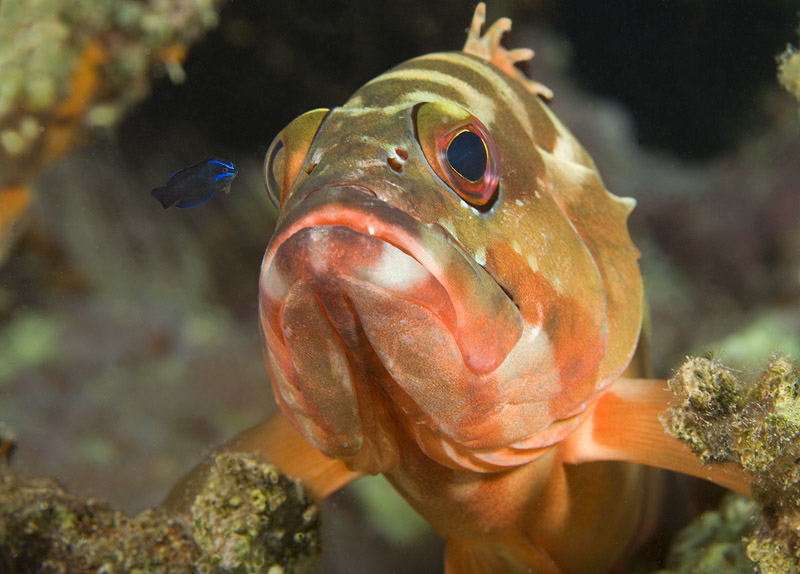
789	70
70	68
708	396
248	518
757	426
44	529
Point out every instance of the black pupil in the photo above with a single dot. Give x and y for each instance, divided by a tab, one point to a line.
467	155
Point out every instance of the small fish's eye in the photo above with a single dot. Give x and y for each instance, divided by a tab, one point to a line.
460	150
288	152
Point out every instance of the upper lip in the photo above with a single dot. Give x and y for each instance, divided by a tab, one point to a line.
316	209
487	321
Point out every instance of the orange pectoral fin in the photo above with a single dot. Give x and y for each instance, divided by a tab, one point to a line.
282	445
624	425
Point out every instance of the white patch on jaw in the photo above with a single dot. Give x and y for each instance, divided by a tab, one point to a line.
520	202
515	246
396	270
530	364
370	230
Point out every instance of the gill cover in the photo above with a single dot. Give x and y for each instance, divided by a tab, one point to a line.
287	153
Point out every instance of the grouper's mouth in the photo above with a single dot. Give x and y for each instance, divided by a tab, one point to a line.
374	320
347	231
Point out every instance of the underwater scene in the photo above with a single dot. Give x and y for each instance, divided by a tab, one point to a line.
355	287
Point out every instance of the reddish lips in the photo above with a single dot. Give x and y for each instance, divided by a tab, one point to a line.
481	317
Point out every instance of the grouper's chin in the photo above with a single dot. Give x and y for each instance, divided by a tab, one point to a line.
379	326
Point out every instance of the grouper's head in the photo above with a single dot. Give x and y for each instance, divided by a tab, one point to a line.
448	272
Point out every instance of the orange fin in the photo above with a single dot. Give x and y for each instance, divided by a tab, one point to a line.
281	444
625	425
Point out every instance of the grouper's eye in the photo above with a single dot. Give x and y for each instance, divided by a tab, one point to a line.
460	150
287	154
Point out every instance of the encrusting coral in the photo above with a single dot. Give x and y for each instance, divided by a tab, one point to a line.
45	529
248	518
248	513
69	68
757	426
789	70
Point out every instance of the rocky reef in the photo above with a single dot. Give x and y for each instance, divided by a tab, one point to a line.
68	69
755	424
789	70
247	518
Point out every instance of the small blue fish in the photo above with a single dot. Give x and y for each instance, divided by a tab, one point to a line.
196	184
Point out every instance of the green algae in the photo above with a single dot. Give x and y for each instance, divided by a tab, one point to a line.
47	36
755	424
247	519
44	529
251	519
789	70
